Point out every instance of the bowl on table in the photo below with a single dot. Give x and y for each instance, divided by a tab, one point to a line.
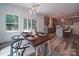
32	37
42	34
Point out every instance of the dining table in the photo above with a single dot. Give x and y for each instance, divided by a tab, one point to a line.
40	39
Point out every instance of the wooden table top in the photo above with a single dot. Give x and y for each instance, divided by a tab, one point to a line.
40	39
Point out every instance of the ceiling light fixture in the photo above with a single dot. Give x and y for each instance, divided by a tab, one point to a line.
34	9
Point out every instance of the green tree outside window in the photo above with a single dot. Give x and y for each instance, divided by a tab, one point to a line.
33	24
29	24
11	22
25	24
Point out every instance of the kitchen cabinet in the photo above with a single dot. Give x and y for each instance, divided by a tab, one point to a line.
50	22
46	20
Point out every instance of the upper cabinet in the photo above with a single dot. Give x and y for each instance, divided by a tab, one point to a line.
46	20
50	22
69	20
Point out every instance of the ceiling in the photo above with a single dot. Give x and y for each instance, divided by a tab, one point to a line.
53	9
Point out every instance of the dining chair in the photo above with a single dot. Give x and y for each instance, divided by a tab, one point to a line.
18	48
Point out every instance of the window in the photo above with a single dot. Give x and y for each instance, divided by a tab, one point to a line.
33	24
11	22
25	24
29	24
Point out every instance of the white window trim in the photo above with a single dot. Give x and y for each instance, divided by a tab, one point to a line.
12	31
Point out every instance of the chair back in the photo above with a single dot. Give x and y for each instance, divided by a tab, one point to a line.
18	47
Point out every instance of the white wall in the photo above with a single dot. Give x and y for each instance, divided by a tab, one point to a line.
11	9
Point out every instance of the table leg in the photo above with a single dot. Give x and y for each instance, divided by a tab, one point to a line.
36	51
41	50
49	47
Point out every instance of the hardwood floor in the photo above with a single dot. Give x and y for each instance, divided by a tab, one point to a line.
68	46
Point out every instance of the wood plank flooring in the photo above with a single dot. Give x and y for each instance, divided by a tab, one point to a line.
68	46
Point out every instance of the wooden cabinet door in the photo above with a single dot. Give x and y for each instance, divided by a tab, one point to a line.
46	21
54	21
